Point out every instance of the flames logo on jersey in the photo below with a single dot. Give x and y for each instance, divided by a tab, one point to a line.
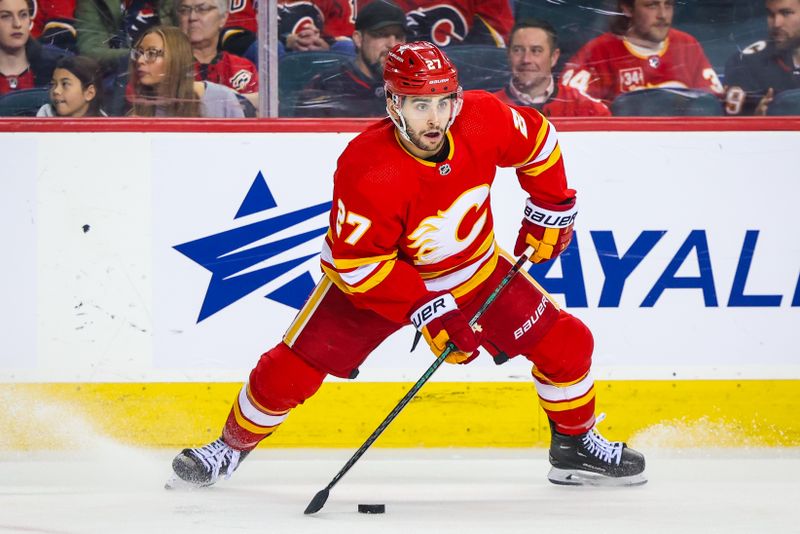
241	79
439	236
442	24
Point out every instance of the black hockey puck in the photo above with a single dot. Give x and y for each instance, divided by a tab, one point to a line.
372	508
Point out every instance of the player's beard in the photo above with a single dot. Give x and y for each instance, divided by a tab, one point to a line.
417	139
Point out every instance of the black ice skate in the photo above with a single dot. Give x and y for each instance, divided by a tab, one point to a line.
591	460
197	468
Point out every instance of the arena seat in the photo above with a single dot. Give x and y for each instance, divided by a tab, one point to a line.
480	66
785	103
296	69
23	103
666	102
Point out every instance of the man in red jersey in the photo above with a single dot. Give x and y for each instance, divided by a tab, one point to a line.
426	255
645	53
532	53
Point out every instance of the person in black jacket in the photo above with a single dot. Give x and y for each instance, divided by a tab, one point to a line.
24	63
356	89
765	68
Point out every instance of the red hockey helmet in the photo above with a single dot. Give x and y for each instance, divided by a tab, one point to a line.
419	68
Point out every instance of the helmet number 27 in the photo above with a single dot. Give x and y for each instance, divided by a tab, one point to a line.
433	64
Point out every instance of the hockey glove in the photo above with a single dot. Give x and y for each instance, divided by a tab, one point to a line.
547	228
439	320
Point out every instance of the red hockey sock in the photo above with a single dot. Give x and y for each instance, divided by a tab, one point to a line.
280	381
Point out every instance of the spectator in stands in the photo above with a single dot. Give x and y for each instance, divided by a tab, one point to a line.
765	68
532	53
356	88
201	21
641	52
54	23
76	89
24	62
163	84
107	28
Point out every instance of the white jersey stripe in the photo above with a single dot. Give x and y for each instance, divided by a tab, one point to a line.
456	278
549	146
350	277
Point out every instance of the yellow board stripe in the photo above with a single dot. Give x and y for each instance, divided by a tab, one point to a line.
646	413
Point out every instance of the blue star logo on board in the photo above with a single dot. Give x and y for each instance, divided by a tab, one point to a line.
230	254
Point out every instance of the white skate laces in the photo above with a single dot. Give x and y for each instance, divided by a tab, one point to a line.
216	455
600	447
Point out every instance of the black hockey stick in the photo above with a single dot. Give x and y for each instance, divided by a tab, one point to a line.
321	497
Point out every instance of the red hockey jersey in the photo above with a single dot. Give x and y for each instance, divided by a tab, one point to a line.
229	70
401	226
610	65
16	83
566	102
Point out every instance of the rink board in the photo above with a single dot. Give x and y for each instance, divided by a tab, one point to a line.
671	414
129	270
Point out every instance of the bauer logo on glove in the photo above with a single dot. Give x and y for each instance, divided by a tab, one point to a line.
547	228
439	320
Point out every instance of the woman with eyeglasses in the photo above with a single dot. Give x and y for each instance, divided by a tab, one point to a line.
162	80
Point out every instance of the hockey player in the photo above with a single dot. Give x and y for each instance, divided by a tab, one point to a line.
645	52
532	53
426	255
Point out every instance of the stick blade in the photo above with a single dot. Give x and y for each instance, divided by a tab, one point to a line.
317	502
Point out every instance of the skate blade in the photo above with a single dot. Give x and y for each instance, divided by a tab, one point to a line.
576	477
177	483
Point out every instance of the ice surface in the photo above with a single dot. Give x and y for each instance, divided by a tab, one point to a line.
107	488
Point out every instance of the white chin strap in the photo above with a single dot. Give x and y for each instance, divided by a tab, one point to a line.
400	121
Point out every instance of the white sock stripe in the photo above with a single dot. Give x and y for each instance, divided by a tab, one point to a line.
255	415
552	393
